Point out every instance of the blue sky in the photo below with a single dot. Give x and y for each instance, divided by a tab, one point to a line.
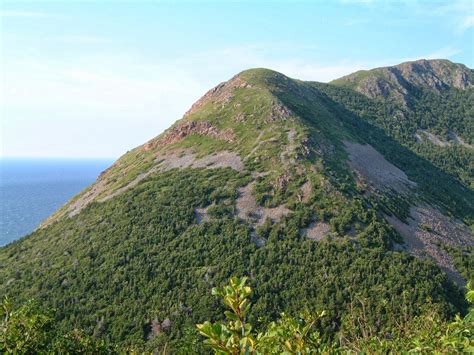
97	78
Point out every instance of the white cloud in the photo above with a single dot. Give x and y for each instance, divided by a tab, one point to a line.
90	107
97	105
458	15
355	22
231	60
467	23
443	53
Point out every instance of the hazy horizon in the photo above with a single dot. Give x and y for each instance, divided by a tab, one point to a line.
21	157
32	189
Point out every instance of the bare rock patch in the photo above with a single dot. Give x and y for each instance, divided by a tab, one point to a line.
181	131
247	208
202	215
306	190
316	231
186	159
427	230
375	169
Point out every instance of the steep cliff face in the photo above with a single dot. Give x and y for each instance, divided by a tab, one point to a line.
287	181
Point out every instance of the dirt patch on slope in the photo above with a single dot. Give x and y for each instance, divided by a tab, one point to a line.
316	231
246	204
458	140
288	155
427	230
275	213
90	195
433	138
247	208
186	159
131	184
259	142
372	167
436	140
306	190
202	215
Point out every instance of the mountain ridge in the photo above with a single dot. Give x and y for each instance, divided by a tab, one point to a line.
218	117
300	185
434	74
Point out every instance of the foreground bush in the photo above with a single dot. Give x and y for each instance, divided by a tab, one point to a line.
427	333
32	330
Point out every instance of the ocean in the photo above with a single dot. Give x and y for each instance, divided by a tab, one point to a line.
32	189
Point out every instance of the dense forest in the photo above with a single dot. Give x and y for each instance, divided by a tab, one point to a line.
31	329
149	251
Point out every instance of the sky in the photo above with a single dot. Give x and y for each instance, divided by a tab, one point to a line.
97	78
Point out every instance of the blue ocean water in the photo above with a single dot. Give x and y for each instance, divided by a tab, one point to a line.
32	189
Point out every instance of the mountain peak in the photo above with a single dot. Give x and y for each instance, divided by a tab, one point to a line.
396	81
437	74
247	79
260	169
262	75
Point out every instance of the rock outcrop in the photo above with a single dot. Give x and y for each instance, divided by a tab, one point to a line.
181	131
398	80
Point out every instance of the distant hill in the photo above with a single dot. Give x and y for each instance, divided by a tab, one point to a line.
321	193
436	75
426	105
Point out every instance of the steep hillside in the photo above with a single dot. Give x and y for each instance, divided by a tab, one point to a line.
291	183
427	106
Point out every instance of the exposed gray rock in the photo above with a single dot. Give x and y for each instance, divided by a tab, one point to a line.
316	231
374	169
425	233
